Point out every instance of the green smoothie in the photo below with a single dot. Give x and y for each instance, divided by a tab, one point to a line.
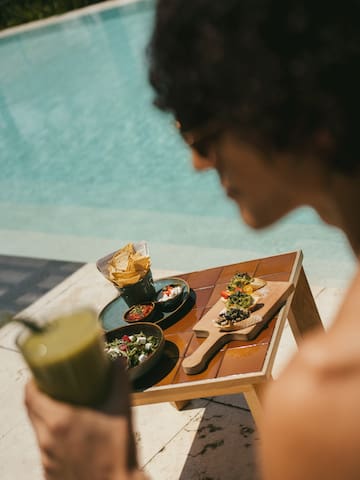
67	359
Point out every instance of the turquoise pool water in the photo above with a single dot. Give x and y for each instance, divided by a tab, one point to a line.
87	163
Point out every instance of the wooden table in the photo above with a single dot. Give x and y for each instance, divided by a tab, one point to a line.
240	366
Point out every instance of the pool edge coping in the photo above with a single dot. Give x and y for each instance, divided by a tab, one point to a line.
71	15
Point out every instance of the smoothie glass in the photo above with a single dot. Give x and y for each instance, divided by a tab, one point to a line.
67	359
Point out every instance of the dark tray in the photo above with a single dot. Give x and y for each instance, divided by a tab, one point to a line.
112	315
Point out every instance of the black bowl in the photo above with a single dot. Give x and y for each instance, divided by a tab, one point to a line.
148	329
146	318
173	302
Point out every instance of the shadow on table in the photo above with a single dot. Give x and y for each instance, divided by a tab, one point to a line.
168	362
167	319
170	355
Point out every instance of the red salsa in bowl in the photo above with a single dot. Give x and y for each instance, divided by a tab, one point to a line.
139	313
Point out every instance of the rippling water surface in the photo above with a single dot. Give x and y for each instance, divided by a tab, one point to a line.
88	163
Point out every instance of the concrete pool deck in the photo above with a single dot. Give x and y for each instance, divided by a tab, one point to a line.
212	438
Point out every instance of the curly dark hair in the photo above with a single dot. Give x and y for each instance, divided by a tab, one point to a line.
275	71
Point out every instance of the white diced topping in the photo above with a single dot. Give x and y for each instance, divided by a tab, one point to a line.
176	291
113	350
173	293
142	357
148	346
141	340
132	338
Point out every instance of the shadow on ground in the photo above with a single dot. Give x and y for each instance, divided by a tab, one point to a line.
224	445
218	443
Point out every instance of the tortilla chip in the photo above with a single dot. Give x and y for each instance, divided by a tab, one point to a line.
127	266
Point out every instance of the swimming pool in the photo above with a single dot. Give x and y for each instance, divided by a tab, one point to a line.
88	164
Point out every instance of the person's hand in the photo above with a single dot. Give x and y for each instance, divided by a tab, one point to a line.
81	443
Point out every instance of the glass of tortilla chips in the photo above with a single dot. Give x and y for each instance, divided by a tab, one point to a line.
129	270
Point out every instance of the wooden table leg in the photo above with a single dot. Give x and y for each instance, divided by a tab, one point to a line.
180	404
303	315
253	396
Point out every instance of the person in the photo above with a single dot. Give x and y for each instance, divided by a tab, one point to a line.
83	443
266	92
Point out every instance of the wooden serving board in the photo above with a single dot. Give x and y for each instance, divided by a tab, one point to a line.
272	296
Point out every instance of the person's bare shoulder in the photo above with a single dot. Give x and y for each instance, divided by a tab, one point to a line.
311	425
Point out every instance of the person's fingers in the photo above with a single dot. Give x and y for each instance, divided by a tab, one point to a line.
55	423
30	392
44	439
36	420
51	467
42	406
36	401
116	403
50	420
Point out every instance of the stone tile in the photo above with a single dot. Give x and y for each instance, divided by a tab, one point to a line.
287	348
22	262
26	299
27	279
69	267
18	450
316	289
156	425
237	400
8	335
218	444
50	281
3	290
328	301
12	277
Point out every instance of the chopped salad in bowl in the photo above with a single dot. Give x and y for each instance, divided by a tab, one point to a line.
141	344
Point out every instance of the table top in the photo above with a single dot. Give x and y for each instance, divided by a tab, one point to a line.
238	363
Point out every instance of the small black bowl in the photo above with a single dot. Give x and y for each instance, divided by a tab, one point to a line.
147	318
172	302
148	329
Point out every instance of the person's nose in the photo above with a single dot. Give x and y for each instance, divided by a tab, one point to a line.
201	162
